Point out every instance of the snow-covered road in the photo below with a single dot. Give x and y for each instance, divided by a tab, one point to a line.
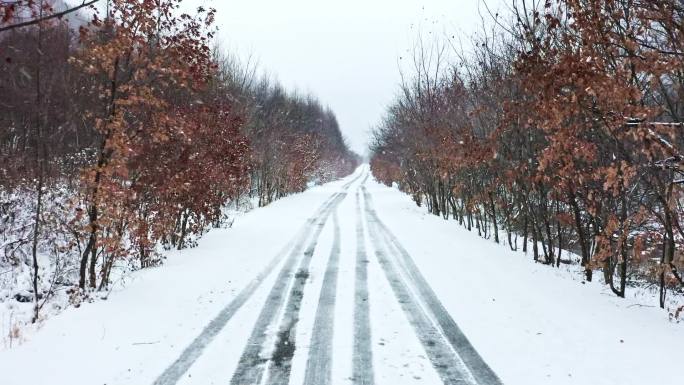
269	356
348	283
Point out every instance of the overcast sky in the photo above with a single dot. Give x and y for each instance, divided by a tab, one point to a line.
344	52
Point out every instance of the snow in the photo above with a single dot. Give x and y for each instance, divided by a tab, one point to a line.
397	353
56	268
531	323
144	325
534	324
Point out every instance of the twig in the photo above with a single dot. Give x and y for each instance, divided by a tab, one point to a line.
52	16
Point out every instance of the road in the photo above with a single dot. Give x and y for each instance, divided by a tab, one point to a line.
351	308
348	283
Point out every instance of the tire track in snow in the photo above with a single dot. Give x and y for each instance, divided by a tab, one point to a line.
362	361
468	360
443	358
194	350
479	369
250	369
280	365
319	361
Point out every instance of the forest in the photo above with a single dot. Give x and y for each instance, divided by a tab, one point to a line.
561	131
125	131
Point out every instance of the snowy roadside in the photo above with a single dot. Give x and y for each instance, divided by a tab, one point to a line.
145	322
57	275
534	324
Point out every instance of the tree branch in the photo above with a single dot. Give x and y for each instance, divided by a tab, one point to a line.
48	17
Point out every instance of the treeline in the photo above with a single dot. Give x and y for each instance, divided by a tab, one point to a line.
294	140
129	132
562	127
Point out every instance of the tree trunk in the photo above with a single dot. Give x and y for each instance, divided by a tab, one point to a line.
496	227
579	227
524	248
34	249
184	227
102	161
40	168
